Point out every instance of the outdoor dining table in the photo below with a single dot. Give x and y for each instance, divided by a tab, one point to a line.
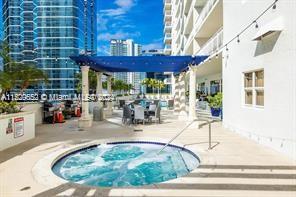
147	112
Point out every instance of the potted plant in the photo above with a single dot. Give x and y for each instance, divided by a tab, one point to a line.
215	103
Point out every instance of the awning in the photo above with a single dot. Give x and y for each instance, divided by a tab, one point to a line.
138	63
276	25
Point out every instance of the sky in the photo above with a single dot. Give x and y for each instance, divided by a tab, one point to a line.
140	20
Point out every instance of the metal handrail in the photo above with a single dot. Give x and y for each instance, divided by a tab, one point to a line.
178	134
208	119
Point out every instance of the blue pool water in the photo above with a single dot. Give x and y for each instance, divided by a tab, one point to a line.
127	164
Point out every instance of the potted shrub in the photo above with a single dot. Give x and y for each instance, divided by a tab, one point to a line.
215	103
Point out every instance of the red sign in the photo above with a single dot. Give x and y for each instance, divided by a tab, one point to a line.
18	127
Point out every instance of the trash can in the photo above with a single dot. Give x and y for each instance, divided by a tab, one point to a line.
98	113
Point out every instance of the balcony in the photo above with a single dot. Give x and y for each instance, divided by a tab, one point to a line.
168	27
168	38
213	45
208	21
168	49
168	16
167	4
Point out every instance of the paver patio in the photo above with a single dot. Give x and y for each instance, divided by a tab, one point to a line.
235	166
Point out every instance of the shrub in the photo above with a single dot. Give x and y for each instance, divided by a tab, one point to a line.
9	108
215	101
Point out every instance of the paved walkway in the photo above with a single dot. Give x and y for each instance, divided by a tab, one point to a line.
234	167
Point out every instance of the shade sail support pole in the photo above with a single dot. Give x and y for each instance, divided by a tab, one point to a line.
86	120
192	93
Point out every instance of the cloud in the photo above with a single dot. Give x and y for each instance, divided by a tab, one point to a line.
103	50
157	44
102	23
123	6
117	35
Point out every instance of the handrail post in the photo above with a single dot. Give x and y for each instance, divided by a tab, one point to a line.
210	135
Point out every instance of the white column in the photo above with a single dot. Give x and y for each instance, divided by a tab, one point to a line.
86	119
99	84
173	82
182	95
176	96
99	89
85	91
109	90
192	94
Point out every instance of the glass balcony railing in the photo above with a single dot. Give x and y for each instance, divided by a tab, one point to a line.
213	44
168	36
202	16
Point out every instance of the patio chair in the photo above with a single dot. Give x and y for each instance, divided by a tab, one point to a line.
170	104
156	116
139	114
121	103
137	101
127	117
156	102
152	109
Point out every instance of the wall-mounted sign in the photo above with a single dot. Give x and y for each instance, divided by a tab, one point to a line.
18	127
9	128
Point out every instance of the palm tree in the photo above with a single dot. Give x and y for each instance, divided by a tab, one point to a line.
145	82
160	85
17	74
6	84
29	76
129	88
153	84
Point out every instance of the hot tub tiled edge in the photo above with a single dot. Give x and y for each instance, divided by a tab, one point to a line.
42	170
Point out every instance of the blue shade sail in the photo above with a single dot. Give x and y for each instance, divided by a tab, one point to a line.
138	63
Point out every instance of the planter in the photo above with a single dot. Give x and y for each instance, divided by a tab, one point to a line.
216	111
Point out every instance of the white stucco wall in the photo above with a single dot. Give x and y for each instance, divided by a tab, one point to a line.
37	108
9	140
273	125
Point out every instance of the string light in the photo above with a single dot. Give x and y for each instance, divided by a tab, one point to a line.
274	5
238	40
256	25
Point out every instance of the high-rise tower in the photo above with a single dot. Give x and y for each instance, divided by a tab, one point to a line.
46	33
127	48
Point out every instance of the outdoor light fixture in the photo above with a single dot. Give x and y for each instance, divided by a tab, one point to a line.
256	24
238	40
274	5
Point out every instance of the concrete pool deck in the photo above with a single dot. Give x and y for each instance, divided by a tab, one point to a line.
235	166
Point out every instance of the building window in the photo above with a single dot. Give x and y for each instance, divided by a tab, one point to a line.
254	88
215	87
